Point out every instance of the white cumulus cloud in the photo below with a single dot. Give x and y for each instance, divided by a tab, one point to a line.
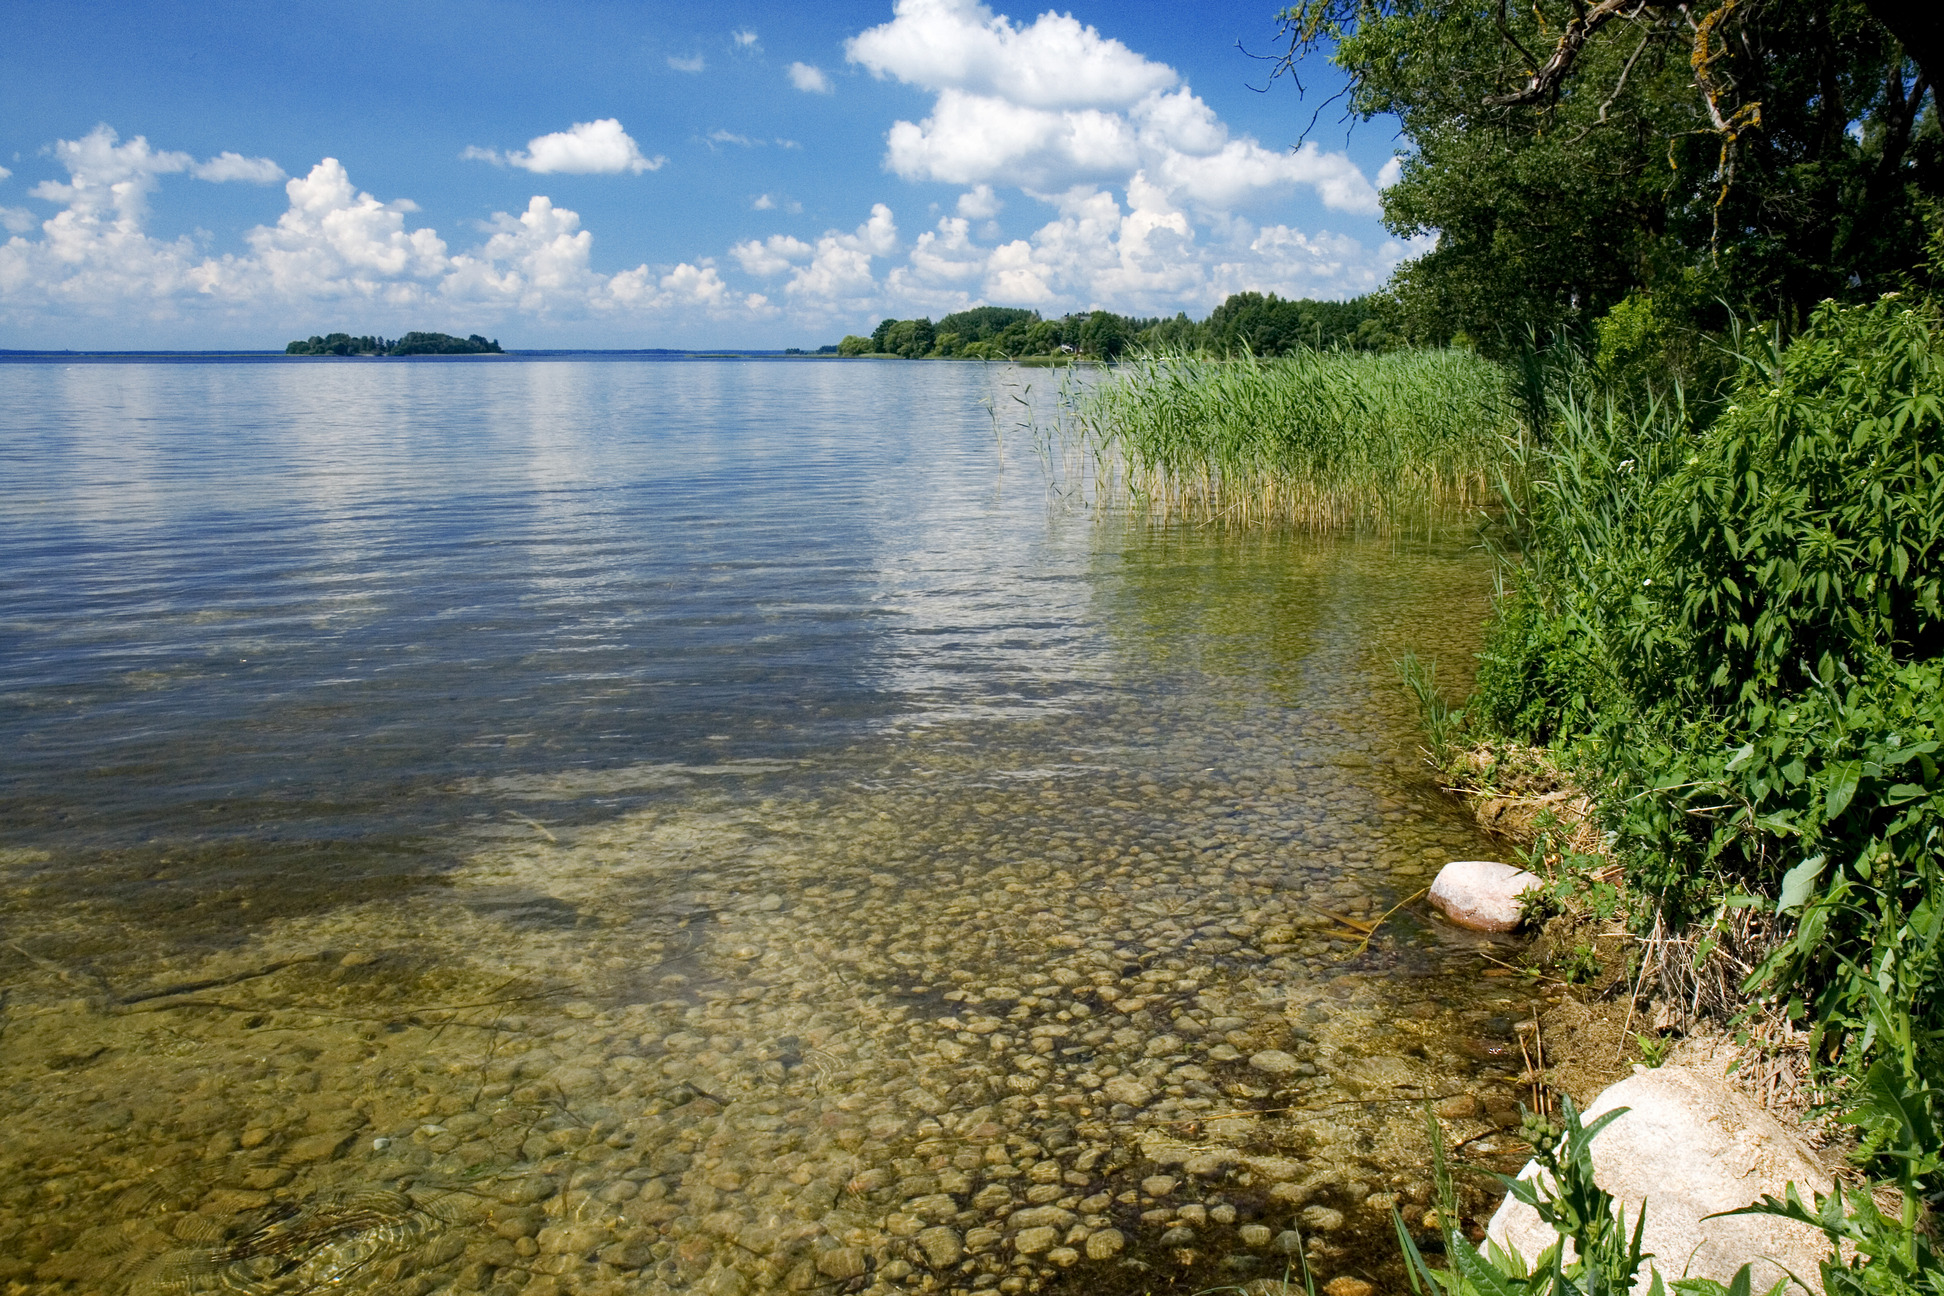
838	274
810	80
336	241
1049	105
227	166
335	248
1141	256
980	203
106	175
689	63
1147	242
772	256
589	148
962	45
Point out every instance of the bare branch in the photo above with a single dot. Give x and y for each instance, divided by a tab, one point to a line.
1618	86
1544	83
1506	32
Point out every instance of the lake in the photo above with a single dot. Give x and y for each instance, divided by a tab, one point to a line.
585	825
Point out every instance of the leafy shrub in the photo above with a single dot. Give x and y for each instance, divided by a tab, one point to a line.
1536	681
1738	623
1807	531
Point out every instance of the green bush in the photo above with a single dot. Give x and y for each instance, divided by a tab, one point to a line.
1335	439
1536	682
1807	533
1736	625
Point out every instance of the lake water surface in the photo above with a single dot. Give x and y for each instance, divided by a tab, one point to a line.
722	826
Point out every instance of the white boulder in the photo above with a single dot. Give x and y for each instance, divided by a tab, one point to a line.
1689	1145
1482	894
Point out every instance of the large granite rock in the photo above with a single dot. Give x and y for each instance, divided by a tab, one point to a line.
1689	1145
1482	894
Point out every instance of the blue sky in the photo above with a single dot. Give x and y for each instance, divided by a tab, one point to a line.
656	175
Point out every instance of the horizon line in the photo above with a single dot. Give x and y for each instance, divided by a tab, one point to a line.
267	353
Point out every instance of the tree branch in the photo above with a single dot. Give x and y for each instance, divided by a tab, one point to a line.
1618	86
1544	83
1919	28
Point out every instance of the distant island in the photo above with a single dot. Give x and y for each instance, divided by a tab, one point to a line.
343	344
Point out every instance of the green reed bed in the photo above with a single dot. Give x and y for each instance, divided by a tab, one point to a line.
1323	440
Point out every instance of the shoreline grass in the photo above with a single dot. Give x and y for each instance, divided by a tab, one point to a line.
1327	441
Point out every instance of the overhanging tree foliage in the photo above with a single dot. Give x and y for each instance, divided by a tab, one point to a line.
1769	153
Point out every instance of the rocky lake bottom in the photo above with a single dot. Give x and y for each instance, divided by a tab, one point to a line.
631	828
1043	1011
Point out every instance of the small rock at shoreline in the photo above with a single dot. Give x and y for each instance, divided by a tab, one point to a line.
1482	894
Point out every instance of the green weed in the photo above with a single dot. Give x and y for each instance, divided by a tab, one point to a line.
1324	440
1734	619
1441	721
1578	966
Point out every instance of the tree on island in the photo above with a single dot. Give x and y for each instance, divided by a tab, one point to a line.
343	344
1256	323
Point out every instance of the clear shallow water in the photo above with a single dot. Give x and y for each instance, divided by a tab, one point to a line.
713	825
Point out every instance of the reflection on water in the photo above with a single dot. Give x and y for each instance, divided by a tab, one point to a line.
599	828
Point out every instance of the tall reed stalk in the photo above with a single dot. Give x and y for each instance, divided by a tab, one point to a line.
1322	440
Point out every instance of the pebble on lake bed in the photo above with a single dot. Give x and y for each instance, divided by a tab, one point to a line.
813	1040
941	1246
1031	1241
1274	1062
1345	1285
1322	1219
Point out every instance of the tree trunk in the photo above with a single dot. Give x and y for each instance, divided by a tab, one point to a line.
1918	26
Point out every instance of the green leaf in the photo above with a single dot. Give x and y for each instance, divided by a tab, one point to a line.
1424	1282
1799	883
1699	1287
1477	1271
1842	787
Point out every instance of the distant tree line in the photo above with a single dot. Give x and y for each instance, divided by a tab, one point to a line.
343	344
1263	324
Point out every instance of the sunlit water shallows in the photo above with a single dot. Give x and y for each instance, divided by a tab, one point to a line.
724	827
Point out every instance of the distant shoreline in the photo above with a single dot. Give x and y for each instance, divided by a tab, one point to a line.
658	353
8	356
